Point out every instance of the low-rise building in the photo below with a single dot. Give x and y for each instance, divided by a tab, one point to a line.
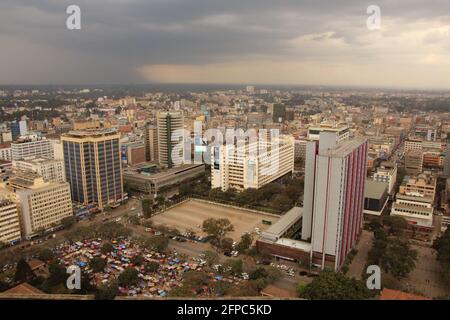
387	172
50	169
375	197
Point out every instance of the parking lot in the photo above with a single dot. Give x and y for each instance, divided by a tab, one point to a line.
190	215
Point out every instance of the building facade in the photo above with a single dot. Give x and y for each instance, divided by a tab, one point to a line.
335	176
251	164
93	166
31	147
170	134
9	222
50	169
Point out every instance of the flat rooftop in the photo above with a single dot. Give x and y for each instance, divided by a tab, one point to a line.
375	189
285	222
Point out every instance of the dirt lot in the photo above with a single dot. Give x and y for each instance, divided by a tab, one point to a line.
190	216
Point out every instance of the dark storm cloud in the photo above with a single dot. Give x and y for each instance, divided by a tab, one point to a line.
119	36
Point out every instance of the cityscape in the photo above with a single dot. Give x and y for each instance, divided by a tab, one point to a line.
242	187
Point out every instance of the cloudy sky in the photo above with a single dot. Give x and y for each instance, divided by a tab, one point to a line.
226	41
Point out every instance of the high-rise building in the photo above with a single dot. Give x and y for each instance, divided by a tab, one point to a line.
151	142
31	146
93	166
335	177
251	164
9	222
50	169
170	135
42	204
18	128
447	157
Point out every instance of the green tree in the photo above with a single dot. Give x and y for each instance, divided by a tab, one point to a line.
97	264
107	248
226	244
23	271
129	277
147	207
442	247
157	243
398	259
217	228
245	243
58	274
151	266
107	291
281	202
396	224
137	260
235	265
211	257
68	222
334	286
45	255
112	230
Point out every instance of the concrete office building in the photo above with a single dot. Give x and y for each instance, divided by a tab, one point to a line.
151	142
50	169
9	222
375	197
335	176
447	157
414	162
417	210
93	166
251	164
18	128
31	146
42	204
343	132
170	138
5	152
387	172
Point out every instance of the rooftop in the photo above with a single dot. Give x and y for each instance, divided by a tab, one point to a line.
375	189
285	222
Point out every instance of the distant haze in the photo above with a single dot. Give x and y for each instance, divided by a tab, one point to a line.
226	41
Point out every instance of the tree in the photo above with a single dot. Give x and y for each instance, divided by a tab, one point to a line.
68	222
45	255
398	259
157	243
97	264
294	191
334	286
235	265
195	279
23	271
107	248
442	246
137	260
58	274
111	230
226	244
211	257
151	266
259	273
245	243
107	291
397	224
281	202
129	277
147	207
217	228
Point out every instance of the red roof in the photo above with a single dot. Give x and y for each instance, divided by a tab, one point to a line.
389	294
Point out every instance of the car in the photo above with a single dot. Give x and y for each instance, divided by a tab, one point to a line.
227	253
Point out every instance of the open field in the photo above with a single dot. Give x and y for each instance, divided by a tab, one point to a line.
191	214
